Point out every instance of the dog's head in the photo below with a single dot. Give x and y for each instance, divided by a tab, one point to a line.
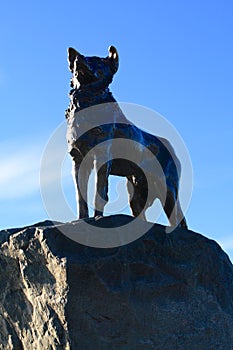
89	70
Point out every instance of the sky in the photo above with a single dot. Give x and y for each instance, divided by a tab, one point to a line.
176	58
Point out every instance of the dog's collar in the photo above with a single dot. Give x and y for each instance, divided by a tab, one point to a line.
82	93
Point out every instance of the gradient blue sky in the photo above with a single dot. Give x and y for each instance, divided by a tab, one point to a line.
176	57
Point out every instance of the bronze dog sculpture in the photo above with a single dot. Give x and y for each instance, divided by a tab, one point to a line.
95	122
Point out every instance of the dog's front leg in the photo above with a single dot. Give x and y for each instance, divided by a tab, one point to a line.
81	176
101	197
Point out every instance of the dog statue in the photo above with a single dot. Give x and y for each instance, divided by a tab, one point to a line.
100	135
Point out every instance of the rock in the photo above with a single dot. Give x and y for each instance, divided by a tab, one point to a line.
163	291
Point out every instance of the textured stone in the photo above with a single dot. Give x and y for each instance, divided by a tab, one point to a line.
163	291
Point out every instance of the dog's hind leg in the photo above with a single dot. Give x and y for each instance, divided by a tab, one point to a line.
137	196
181	218
173	210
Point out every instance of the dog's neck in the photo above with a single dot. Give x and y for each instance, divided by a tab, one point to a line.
91	94
83	98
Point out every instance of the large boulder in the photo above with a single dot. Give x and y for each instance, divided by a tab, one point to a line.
163	291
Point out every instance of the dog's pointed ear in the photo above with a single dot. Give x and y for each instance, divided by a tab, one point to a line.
72	54
113	56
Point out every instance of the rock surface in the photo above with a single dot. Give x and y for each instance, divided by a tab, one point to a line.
163	291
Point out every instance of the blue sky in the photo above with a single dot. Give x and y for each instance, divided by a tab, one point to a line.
176	57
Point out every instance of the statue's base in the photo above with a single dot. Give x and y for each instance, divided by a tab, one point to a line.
162	291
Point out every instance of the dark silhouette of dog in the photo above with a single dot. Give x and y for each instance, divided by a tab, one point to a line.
99	135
